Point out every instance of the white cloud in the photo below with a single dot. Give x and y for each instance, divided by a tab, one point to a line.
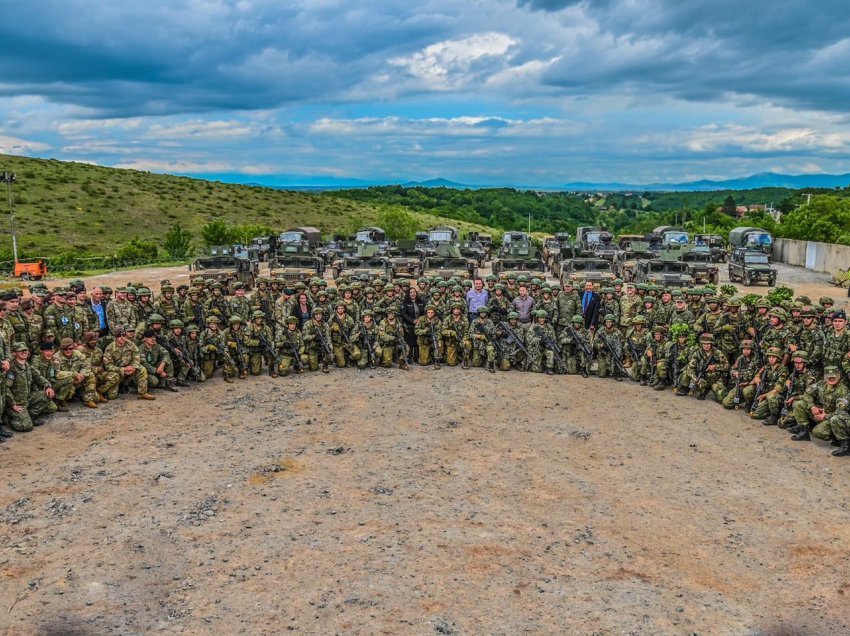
16	146
197	129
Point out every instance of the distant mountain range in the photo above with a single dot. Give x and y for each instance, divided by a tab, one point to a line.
761	180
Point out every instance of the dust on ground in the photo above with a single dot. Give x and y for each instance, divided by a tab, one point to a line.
422	502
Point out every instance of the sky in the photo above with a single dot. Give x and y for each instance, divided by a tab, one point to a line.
522	92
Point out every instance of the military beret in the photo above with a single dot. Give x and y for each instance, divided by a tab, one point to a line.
149	333
27	304
838	315
44	346
118	330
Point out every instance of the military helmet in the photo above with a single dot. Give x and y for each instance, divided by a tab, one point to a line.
166	289
746	344
175	323
706	338
659	329
637	320
235	320
367	312
522	278
431	307
807	311
825	300
779	313
238	286
576	319
456	305
292	320
213	320
339	304
483	309
541	313
545	289
733	302
536	281
800	353
610	317
258	314
491	277
648	299
319	310
356	285
512	315
19	346
499	286
774	351
457	288
762	302
155	318
607	290
369	290
392	309
828	372
193	328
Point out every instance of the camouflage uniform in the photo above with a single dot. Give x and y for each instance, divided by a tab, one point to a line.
572	342
425	338
455	333
365	334
391	337
105	380
604	355
711	380
822	395
746	367
483	335
25	387
153	356
512	355
312	332
344	345
774	376
116	358
291	350
67	383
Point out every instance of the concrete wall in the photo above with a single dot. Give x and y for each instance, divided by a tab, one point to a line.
819	257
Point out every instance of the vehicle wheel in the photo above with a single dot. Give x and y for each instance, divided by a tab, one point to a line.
771	282
747	281
731	276
25	277
716	278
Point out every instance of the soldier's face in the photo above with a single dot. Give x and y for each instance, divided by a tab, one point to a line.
832	380
21	356
68	352
839	323
121	340
150	341
430	313
47	354
774	320
772	360
168	295
706	346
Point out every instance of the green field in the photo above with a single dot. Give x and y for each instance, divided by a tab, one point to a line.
64	207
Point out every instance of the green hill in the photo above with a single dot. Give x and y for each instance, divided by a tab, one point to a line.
64	208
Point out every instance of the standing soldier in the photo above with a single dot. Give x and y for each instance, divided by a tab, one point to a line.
239	304
176	345
730	328
195	350
34	323
681	315
217	304
776	335
20	332
837	343
167	306
119	311
569	304
810	338
634	348
28	394
193	309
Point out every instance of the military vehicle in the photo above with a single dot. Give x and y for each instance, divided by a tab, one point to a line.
669	236
715	244
606	247
567	251
513	238
265	246
625	262
224	266
579	270
312	236
406	259
751	266
448	263
370	235
625	240
473	250
663	271
296	263
443	234
365	262
701	265
587	235
518	257
486	241
751	238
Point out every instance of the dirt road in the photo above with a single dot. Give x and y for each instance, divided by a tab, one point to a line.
425	502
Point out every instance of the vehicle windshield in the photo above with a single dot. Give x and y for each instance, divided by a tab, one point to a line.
592	237
675	237
756	259
291	237
534	266
440	237
760	239
299	262
598	266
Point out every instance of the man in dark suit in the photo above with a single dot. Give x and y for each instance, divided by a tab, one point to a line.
590	304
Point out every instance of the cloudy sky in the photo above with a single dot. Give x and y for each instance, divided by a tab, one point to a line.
523	92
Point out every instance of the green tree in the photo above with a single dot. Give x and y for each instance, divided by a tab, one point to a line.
826	219
138	252
729	206
397	223
217	232
244	233
178	242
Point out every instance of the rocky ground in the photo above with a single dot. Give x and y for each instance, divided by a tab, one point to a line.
426	502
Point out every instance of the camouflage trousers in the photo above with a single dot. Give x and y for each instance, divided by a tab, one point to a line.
483	352
770	405
390	354
456	352
541	359
257	359
107	382
286	364
512	360
38	404
710	382
426	349
606	366
836	425
139	379
315	356
230	371
364	360
344	354
66	386
747	394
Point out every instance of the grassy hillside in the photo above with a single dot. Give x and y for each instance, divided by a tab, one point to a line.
63	207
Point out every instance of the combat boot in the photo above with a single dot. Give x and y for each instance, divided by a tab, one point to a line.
680	391
90	404
146	396
802	435
272	373
62	406
101	399
843	449
228	379
770	420
325	368
465	364
180	382
169	386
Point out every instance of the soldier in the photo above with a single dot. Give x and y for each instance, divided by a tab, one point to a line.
654	361
119	311
810	338
175	343
317	338
837	343
236	362
455	334
122	357
78	319
708	321
193	309
55	315
818	404
770	385
213	347
365	334
427	330
706	371
345	348
569	304
512	341
839	428
608	345
157	362
74	376
541	355
776	335
144	307
216	304
167	306
483	335
743	373
499	304
34	323
664	308
730	328
28	394
106	381
292	354
634	347
391	338
194	348
802	377
680	315
575	344
239	304
46	364
15	316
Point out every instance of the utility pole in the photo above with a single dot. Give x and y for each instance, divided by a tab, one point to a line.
529	222
9	178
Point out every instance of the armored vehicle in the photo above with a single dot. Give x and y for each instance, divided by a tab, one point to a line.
294	264
701	266
579	270
666	272
406	259
751	266
223	266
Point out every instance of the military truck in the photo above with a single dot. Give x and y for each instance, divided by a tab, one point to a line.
670	236
751	266
294	263
626	261
447	263
474	251
701	265
579	270
519	257
663	271
567	251
443	234
370	235
715	244
373	266
223	266
587	235
312	236
606	247
406	259
751	238
265	246
624	241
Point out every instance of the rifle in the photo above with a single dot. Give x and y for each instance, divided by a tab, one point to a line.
512	337
579	343
176	352
480	329
738	393
199	316
618	363
224	354
266	346
342	329
324	344
369	349
464	352
434	344
551	345
787	394
295	355
400	345
701	373
759	352
654	374
240	353
633	350
760	388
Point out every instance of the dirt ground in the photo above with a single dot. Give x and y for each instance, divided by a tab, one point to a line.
424	502
421	502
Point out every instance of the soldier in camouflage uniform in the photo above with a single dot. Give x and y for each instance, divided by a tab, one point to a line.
498	303
174	343
157	362
167	306
743	375
569	304
316	331
193	309
291	350
74	376
573	342
365	335
681	315
483	337
119	311
776	335
810	337
839	428
105	381
239	303
46	364
731	328
802	377
818	404
455	334
342	325
610	304
216	304
706	371
236	362
212	346
634	348
15	316
28	394
511	336
653	359
427	330
708	321
391	339
769	402
33	322
259	342
837	344
608	345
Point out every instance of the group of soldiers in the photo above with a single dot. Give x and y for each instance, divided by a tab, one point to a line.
786	365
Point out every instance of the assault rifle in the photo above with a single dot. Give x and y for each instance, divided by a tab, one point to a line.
369	349
222	351
480	329
786	395
324	344
513	338
400	345
580	343
618	362
701	373
269	350
240	354
179	354
464	352
677	372
759	388
199	316
738	390
434	344
342	330
552	346
654	375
